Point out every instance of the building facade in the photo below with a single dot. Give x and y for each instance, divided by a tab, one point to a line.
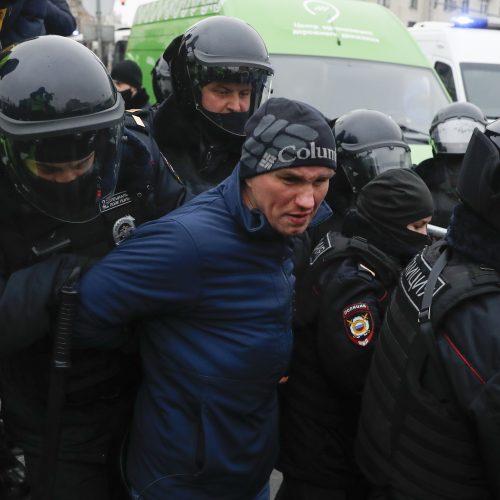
413	11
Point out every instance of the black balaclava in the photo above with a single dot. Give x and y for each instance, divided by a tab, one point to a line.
138	101
385	206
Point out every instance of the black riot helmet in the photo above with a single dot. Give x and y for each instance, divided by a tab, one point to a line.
61	124
479	182
368	143
452	127
161	80
219	49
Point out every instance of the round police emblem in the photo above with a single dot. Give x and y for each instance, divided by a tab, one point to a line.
122	228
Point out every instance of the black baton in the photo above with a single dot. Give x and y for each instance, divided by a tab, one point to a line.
61	362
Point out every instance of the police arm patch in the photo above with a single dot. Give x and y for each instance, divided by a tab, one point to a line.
358	323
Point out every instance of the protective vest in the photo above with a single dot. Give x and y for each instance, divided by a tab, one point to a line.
413	438
332	249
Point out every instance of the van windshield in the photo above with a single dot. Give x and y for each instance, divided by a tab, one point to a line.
410	95
481	84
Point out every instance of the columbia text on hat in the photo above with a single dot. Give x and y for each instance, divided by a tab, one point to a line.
284	133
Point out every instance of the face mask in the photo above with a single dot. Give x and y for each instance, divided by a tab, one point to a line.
127	97
407	244
72	198
231	122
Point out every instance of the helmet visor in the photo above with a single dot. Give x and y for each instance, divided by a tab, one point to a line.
65	176
252	87
363	166
453	136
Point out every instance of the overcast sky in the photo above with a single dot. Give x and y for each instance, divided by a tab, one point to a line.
127	11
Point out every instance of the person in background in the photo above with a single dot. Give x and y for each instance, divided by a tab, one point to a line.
212	287
430	420
340	303
368	143
450	132
74	183
127	77
221	74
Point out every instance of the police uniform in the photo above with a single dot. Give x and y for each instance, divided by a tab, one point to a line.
202	159
340	303
37	252
339	309
204	145
429	424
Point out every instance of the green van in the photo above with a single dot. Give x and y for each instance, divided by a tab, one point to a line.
337	55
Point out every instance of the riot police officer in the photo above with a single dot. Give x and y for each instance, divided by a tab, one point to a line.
368	143
220	72
429	421
450	132
340	304
74	182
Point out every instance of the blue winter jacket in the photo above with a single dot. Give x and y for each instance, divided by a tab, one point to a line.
213	283
24	19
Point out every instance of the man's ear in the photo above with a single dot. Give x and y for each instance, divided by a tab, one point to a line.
246	192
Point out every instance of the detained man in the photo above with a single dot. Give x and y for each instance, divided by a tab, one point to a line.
210	288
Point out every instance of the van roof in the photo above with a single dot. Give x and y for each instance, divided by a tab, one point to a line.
462	44
335	28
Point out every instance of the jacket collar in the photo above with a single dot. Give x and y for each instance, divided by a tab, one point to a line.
473	237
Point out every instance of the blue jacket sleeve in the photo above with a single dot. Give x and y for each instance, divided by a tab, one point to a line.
25	19
59	20
155	272
470	348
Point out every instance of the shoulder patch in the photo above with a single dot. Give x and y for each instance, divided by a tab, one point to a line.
358	323
324	245
414	278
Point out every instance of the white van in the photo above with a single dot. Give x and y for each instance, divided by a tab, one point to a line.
467	61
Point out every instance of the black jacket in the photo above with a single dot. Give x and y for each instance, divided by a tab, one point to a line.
340	304
99	383
201	159
429	422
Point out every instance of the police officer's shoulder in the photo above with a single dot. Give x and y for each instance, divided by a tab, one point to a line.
365	272
139	120
335	247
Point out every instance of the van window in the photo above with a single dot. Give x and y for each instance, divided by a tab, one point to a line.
411	95
446	74
481	84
